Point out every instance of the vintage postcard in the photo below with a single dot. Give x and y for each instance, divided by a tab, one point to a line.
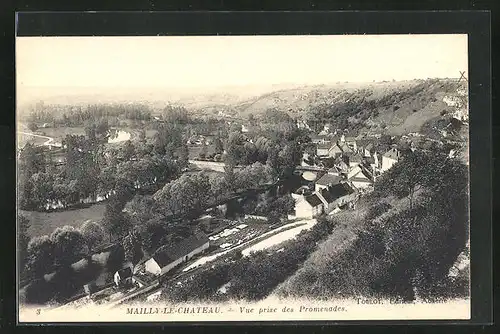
242	178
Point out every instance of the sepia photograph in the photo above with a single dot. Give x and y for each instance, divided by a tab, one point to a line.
242	178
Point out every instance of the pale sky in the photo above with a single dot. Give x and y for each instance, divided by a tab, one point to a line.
220	61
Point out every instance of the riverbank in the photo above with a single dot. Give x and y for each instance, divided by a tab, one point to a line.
44	223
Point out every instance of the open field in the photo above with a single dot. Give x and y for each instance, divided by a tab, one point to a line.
60	132
43	223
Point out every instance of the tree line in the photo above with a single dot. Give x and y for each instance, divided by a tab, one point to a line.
65	246
69	115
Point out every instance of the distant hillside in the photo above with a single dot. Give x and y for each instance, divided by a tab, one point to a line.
379	107
385	107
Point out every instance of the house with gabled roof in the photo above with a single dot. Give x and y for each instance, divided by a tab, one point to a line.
390	158
327	180
366	150
336	196
335	170
353	160
373	161
335	151
322	149
308	206
301	124
353	171
345	148
321	139
170	256
340	163
123	276
362	179
349	141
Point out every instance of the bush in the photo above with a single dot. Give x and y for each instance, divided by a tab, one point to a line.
32	126
378	209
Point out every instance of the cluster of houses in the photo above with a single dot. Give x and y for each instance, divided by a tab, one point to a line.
356	167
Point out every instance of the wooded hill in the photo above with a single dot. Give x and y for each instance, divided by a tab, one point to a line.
412	229
384	107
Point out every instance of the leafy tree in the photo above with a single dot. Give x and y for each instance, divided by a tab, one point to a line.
250	153
65	192
128	150
142	135
114	220
81	164
229	177
253	175
189	193
168	138
31	160
218	187
141	209
176	115
204	151
40	257
68	245
132	247
93	234
235	151
183	155
276	208
251	119
273	161
409	175
289	158
32	126
23	239
107	180
219	146
42	188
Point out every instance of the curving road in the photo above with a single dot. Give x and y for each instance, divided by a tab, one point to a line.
47	143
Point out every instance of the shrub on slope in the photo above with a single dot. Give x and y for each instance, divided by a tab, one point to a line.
407	251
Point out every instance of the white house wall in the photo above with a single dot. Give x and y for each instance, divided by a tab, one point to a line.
387	163
170	266
322	151
116	278
152	267
303	209
361	184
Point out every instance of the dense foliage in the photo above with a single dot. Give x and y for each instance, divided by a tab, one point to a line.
408	246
